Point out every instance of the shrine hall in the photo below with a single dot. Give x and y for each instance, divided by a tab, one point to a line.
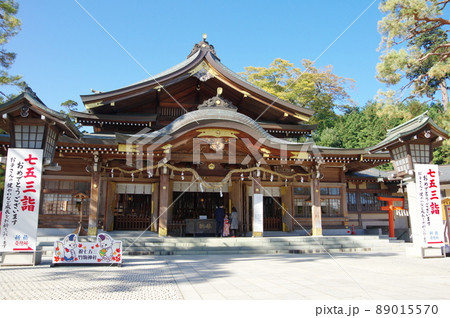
164	152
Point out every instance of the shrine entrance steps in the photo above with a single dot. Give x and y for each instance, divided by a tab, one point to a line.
150	244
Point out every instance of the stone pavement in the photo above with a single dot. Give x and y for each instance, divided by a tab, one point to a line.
137	279
362	276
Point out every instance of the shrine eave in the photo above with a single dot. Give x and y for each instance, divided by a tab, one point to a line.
410	129
30	100
111	119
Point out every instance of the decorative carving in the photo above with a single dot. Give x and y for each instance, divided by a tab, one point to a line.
217	133
203	72
218	102
203	45
24	112
203	75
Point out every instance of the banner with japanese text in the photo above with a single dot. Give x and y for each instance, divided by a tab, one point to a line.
429	197
21	196
258	213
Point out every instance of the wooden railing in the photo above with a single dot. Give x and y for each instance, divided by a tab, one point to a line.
273	224
131	222
176	228
61	221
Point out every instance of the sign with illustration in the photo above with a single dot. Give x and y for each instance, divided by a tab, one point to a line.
104	250
19	217
429	194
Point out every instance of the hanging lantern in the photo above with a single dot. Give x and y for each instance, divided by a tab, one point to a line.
132	177
242	177
150	173
221	194
112	173
182	175
271	177
301	179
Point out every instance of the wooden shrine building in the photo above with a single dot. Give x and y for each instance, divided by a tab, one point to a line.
169	149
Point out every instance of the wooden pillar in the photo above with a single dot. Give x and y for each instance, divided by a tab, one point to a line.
316	206
257	202
286	212
110	206
163	201
94	204
344	205
155	207
237	201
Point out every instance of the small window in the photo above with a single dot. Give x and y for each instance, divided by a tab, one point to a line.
331	208
302	191
29	136
420	153
351	201
330	191
302	208
400	158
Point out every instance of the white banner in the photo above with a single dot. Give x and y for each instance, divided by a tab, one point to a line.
429	200
21	196
258	225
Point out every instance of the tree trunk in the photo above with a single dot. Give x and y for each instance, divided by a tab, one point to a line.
444	92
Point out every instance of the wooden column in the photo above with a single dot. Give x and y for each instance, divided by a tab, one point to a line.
110	207
286	212
155	207
316	206
257	202
94	204
163	202
237	201
344	205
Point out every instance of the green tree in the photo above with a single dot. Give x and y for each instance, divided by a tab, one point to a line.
71	105
9	27
419	29
319	90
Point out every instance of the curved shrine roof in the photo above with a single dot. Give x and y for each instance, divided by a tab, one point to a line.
203	64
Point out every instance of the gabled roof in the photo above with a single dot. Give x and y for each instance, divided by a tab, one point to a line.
29	98
408	130
203	64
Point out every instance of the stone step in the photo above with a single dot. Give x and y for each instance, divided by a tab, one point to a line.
153	245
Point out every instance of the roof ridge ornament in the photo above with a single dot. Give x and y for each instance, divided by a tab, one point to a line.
203	45
218	102
28	90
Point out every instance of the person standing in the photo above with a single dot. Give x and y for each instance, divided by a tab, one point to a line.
220	216
226	226
234	222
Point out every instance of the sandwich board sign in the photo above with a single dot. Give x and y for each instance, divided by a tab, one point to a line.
70	251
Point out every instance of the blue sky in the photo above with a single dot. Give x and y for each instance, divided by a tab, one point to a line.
62	53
